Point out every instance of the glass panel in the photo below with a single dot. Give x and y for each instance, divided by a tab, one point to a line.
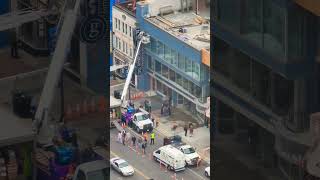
150	63
167	54
196	71
158	67
251	26
198	92
165	71
153	43
185	84
172	75
179	80
181	62
274	18
159	86
174	59
160	49
188	67
296	33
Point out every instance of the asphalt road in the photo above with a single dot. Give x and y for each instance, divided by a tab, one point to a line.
145	166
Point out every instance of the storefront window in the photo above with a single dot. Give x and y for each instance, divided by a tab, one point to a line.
160	49
174	60
181	62
165	71
158	67
274	23
172	75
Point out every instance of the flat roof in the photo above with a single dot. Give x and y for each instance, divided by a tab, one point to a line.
197	28
14	129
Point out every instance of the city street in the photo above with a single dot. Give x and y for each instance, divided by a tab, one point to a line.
145	166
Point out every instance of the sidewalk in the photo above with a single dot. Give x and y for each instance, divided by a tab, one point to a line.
201	137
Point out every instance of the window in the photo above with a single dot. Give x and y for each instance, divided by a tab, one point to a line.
159	86
167	54
119	44
172	75
251	21
196	71
165	71
188	67
130	31
123	27
179	79
153	43
174	58
181	62
126	29
126	48
158	67
115	22
185	84
123	47
274	23
150	63
198	91
160	49
118	24
130	52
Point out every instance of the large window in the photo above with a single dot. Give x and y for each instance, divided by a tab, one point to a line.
150	63
251	26
179	79
174	58
172	75
196	71
165	71
153	44
158	67
181	62
160	49
167	54
274	24
188	67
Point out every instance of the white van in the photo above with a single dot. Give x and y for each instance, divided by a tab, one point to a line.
190	154
170	157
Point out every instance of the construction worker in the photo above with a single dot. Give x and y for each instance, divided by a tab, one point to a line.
152	138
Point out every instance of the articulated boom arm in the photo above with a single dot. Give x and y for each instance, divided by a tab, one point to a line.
143	38
54	72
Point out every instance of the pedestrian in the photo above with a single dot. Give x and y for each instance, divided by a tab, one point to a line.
128	136
185	130
133	141
143	148
124	137
152	119
152	138
145	137
119	137
191	130
140	143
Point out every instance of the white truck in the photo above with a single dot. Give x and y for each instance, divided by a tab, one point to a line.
170	157
191	156
141	121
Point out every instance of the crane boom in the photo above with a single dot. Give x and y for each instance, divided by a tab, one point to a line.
130	73
54	73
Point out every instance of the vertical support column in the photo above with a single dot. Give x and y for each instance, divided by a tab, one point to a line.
83	64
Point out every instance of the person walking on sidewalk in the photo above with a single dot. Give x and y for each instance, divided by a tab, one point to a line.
143	148
185	130
133	141
191	130
152	138
124	137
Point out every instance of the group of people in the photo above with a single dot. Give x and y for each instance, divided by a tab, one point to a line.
142	142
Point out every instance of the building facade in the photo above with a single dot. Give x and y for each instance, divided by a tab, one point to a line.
176	62
124	25
266	82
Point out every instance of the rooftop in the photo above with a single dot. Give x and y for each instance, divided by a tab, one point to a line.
128	6
188	27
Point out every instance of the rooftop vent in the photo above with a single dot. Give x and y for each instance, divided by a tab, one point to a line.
166	10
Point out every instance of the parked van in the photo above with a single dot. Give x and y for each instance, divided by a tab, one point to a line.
170	157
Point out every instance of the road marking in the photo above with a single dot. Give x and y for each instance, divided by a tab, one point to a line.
195	173
138	171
